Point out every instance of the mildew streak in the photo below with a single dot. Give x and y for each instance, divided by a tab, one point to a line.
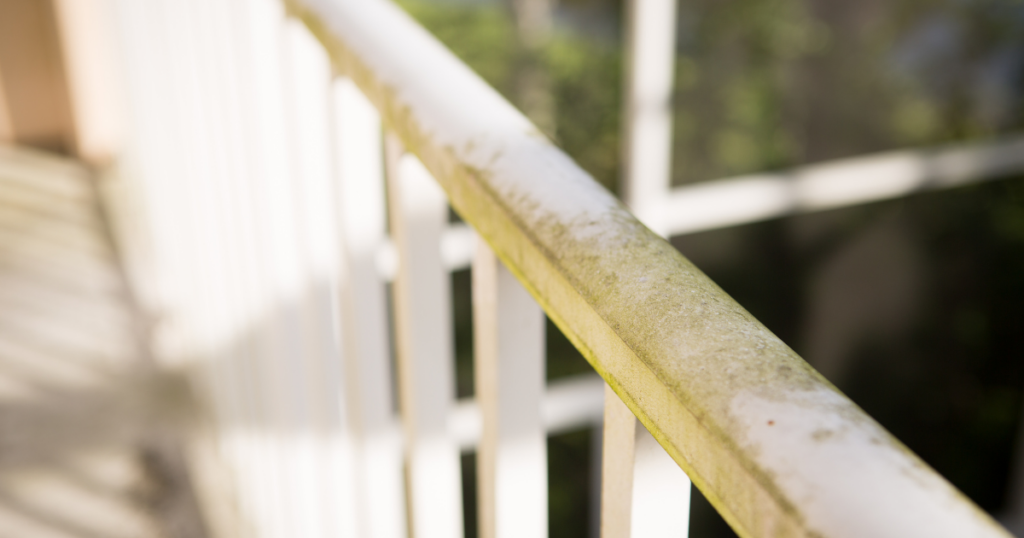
694	366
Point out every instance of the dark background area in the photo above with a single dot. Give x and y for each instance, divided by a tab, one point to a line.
911	307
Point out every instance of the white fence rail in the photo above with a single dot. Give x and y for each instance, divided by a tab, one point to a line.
276	182
647	190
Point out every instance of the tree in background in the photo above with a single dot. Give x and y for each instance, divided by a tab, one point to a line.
768	84
534	23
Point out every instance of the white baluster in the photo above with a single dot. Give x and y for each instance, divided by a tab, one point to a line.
281	380
617	456
381	497
193	233
309	96
652	498
209	130
661	491
509	366
181	162
423	333
644	492
650	56
248	30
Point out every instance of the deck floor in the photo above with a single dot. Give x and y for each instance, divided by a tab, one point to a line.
84	450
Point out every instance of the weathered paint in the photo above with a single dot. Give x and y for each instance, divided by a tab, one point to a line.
743	415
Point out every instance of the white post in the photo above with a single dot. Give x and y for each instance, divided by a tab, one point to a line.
423	334
309	85
185	161
651	498
647	151
381	496
617	456
509	368
218	181
281	373
644	492
661	491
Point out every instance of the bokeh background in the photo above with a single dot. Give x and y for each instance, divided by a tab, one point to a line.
911	307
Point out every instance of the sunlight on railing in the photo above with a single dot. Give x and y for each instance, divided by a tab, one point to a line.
293	160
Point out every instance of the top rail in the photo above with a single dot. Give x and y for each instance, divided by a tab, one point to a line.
775	447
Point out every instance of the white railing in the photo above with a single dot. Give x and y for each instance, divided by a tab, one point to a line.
651	49
275	181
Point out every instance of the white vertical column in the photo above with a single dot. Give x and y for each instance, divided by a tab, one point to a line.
267	489
661	491
594	494
282	371
190	97
647	150
209	132
309	85
509	366
652	496
617	456
423	334
209	129
381	496
644	492
179	160
145	221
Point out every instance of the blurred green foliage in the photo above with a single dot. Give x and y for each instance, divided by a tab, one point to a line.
584	75
768	84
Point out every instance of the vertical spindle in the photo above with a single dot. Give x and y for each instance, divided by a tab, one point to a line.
423	335
508	330
362	219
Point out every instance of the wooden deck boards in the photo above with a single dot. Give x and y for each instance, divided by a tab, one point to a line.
79	454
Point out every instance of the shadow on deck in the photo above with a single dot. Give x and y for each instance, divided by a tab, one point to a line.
88	444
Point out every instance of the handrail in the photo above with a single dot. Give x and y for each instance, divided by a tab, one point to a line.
772	444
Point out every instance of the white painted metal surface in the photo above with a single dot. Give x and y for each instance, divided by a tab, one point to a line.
508	342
